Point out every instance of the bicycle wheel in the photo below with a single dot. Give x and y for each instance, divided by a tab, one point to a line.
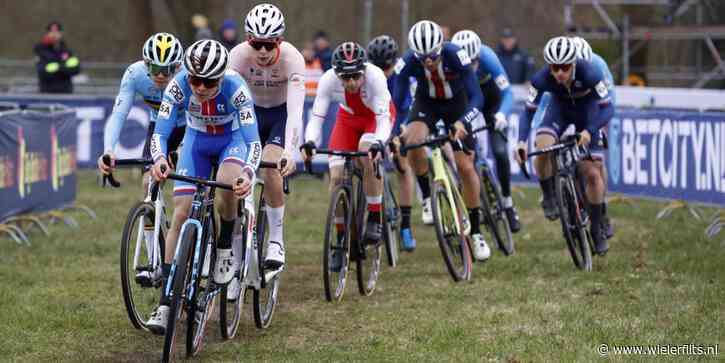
264	300
204	295
455	247
493	214
230	308
180	278
572	223
139	295
368	256
336	252
391	224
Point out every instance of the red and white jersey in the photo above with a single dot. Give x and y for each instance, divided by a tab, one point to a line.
372	100
274	84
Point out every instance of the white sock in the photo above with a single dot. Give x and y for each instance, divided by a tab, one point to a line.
508	202
374	200
275	216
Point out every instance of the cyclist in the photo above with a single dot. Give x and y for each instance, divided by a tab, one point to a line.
578	95
274	70
498	101
162	55
221	127
447	89
383	52
363	123
606	112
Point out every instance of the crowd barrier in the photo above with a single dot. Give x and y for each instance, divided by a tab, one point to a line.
655	151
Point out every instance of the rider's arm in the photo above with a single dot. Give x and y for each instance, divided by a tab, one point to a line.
295	103
313	132
470	82
166	119
401	91
121	108
532	103
244	106
602	98
498	75
380	103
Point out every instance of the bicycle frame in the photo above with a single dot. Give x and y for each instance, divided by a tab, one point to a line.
153	248
441	173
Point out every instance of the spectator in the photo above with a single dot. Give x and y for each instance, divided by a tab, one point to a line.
446	30
201	27
56	63
518	64
313	69
228	34
323	52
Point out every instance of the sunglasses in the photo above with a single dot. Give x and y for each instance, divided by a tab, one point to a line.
165	70
432	55
258	45
349	76
560	67
207	82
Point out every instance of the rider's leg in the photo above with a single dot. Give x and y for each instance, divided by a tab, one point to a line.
373	189
406	182
229	171
415	133
591	171
471	187
274	196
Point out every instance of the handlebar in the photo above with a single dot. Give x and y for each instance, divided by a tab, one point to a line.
568	142
350	155
273	165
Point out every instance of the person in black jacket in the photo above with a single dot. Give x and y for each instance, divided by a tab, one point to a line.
56	63
518	64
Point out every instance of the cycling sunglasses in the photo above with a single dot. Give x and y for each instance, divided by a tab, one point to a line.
207	82
349	76
156	69
432	55
258	45
560	67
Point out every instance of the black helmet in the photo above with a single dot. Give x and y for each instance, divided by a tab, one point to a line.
349	57
383	51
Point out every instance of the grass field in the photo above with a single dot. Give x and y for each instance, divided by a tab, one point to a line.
662	283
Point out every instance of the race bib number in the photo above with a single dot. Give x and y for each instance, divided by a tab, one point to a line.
399	65
463	57
601	89
246	116
175	91
164	110
502	82
533	92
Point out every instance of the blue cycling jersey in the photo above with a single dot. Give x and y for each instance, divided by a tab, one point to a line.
587	90
401	113
452	76
608	78
490	71
231	111
135	81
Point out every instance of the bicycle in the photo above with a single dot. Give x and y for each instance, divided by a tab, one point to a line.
492	208
392	220
449	209
140	254
344	231
183	288
570	199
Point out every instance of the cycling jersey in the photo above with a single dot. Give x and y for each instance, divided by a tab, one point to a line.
453	77
224	126
578	104
278	84
135	80
608	78
402	113
492	79
370	105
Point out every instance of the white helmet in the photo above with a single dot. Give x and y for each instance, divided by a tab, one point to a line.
584	50
162	49
206	59
425	37
560	50
469	41
264	21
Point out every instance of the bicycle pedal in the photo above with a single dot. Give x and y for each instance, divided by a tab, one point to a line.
145	281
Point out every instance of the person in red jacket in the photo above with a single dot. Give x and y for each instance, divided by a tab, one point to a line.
56	63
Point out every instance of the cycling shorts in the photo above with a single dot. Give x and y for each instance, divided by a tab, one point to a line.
429	111
272	122
350	128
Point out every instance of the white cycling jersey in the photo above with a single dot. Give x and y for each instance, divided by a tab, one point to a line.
373	93
272	85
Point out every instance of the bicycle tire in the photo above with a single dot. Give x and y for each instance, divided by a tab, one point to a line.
195	330
180	278
137	318
571	223
334	281
264	299
493	215
391	224
368	258
455	247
